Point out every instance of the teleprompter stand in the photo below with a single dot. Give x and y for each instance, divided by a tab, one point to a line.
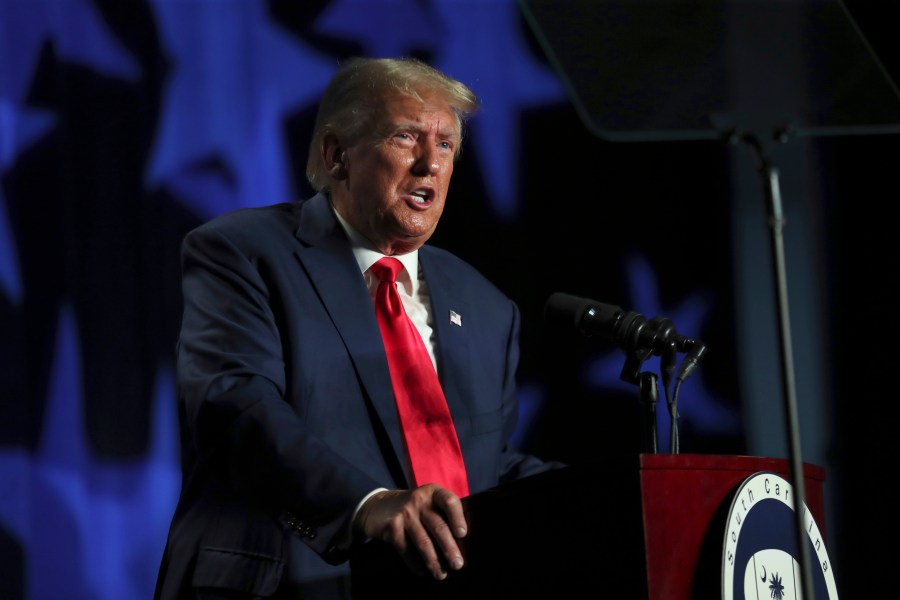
754	73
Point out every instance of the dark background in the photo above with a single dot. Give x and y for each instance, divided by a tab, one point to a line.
125	124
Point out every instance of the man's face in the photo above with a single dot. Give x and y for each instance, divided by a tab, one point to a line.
392	185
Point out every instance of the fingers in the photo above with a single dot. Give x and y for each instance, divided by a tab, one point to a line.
425	521
423	534
422	524
450	504
445	525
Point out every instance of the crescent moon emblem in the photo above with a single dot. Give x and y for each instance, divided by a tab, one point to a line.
764	573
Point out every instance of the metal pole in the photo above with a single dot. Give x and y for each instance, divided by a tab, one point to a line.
776	221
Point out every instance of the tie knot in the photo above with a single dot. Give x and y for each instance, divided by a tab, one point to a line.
386	269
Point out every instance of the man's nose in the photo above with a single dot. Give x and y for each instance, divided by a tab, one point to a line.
428	162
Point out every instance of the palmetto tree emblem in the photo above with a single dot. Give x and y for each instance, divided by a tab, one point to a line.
776	586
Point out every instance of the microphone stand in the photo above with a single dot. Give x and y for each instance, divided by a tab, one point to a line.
669	358
772	190
649	398
646	382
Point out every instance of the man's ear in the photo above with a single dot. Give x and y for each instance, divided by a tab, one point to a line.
335	157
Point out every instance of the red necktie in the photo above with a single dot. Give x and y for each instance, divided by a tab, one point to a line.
434	453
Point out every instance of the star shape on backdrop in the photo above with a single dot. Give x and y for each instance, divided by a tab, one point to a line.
235	74
386	28
76	30
73	510
507	79
504	75
695	404
79	34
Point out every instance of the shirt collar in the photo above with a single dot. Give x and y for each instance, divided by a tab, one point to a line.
366	256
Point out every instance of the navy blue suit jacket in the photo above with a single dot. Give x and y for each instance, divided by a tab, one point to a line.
285	400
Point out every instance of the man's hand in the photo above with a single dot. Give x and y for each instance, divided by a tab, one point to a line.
422	524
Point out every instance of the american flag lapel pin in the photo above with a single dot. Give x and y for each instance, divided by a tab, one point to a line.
455	318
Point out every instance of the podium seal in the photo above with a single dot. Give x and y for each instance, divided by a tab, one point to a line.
760	558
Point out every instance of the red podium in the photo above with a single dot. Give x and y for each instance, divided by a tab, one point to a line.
685	499
651	527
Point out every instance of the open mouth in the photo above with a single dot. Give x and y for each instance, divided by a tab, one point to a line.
422	196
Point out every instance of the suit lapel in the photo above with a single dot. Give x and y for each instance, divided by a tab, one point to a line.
454	349
328	260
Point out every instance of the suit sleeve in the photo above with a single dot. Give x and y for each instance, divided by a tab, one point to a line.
231	382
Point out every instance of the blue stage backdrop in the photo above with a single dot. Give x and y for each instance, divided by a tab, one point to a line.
124	124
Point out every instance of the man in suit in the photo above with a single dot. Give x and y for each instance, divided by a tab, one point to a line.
293	448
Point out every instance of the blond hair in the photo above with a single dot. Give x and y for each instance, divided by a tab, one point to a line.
355	95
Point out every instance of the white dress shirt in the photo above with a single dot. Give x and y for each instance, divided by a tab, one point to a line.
413	290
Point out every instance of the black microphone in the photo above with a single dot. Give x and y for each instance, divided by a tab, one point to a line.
631	331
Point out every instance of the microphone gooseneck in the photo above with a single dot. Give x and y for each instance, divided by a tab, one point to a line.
639	338
629	330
